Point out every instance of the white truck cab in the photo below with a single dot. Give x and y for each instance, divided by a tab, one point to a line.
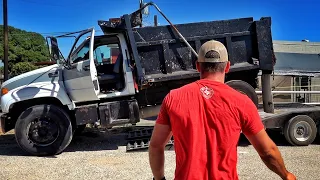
44	106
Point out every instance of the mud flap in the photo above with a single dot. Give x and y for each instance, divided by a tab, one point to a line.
119	112
2	124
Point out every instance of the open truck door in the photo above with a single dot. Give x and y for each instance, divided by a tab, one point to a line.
80	76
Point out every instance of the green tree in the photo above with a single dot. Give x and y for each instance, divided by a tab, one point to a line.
24	47
22	67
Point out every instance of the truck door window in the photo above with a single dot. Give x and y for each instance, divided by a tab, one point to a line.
82	54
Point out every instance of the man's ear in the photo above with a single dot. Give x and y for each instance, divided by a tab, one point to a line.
227	67
198	66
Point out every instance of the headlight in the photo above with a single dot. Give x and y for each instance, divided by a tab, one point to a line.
4	91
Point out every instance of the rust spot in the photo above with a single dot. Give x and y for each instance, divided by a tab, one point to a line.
84	110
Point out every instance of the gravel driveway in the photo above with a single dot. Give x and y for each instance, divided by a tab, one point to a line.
100	155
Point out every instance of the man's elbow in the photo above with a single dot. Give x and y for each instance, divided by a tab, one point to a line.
269	152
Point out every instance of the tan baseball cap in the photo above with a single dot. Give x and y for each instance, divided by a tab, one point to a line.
213	51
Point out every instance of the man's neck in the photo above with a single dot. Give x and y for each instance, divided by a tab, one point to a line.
214	77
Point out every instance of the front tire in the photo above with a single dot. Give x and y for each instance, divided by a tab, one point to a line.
300	130
43	130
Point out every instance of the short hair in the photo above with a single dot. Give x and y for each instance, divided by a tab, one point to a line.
209	67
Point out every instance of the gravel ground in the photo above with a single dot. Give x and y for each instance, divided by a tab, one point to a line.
100	155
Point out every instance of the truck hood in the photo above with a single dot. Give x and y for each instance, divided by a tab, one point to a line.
24	79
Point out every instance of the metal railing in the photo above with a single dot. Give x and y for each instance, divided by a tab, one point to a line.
291	92
295	90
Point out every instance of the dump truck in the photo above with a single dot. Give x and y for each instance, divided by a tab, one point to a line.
123	75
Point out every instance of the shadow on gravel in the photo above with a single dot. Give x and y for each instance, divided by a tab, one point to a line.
98	140
89	140
9	147
94	140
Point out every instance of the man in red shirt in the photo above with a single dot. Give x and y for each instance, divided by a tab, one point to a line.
206	118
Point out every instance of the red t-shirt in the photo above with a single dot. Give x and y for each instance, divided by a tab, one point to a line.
206	119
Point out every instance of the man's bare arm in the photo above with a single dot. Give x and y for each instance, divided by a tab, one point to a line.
270	154
160	136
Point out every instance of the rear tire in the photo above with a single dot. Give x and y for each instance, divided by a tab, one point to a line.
244	88
43	130
300	130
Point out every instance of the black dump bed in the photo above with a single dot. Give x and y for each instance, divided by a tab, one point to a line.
161	55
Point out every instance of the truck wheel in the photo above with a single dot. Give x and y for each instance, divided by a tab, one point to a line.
300	130
43	130
244	88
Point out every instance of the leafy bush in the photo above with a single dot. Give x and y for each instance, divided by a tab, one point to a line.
24	46
22	67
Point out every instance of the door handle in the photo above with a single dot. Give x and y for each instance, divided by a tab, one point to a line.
51	75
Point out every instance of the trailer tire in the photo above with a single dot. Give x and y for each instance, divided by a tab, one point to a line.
43	130
244	88
300	130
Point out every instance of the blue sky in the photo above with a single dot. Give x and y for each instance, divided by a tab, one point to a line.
292	20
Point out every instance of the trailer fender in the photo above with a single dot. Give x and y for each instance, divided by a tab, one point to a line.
36	90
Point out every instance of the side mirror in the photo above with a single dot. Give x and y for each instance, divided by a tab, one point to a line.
54	51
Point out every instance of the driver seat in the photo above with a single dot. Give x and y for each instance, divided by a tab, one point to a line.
113	77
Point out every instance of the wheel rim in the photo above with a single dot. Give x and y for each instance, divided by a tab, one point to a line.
302	131
43	131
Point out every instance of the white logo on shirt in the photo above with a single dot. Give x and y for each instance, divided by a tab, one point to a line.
206	92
